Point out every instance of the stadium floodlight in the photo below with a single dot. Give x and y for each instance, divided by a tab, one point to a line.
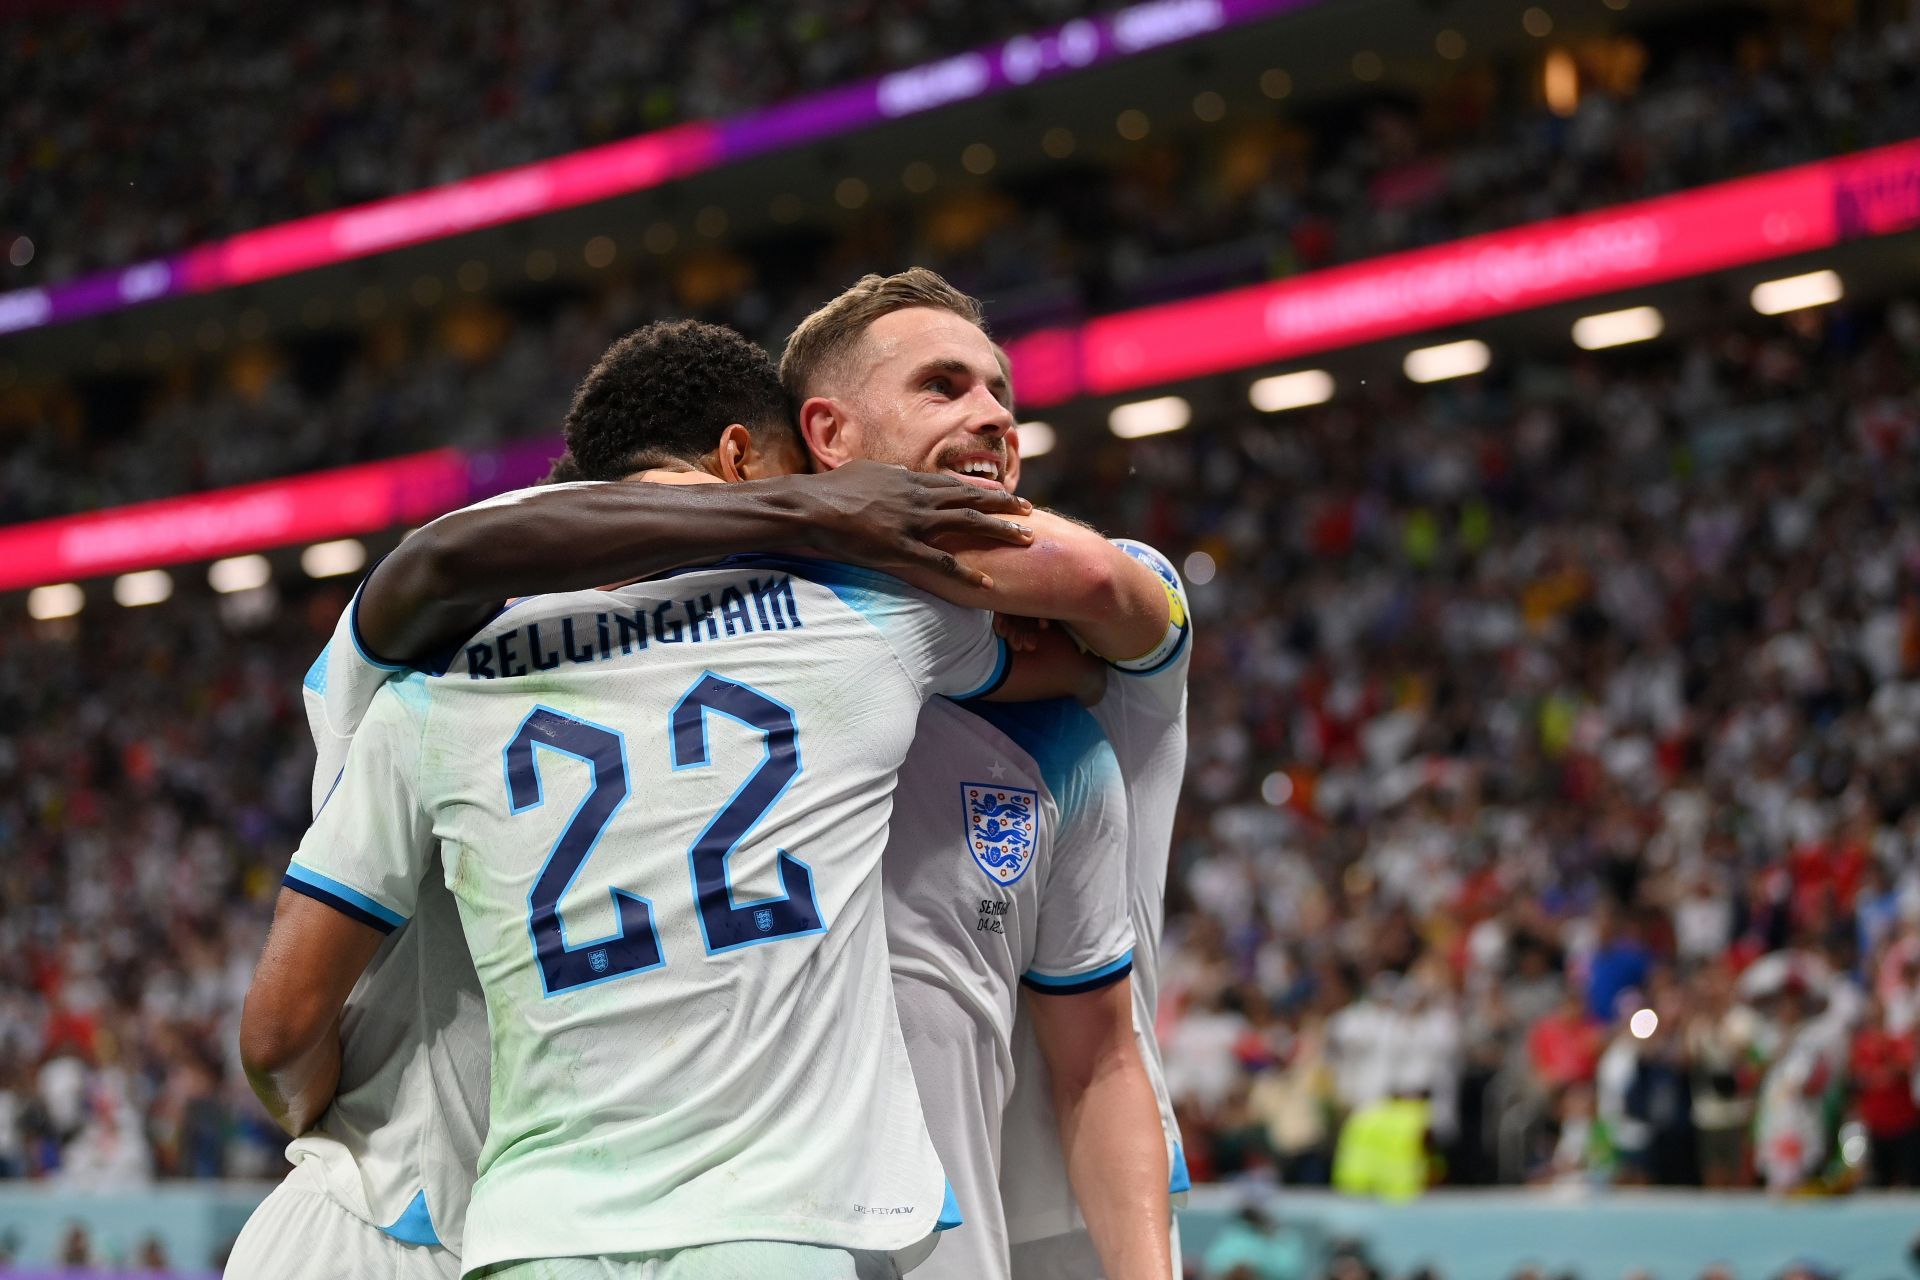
331	559
1035	439
149	586
238	573
1617	328
1449	360
1796	293
1291	390
57	600
1149	417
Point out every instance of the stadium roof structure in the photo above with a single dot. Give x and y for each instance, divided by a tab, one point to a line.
1741	223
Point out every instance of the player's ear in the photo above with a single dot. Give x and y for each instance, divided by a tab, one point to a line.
733	459
825	428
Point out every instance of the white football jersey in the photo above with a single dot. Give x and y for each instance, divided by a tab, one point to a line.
1007	864
661	811
1144	716
398	1146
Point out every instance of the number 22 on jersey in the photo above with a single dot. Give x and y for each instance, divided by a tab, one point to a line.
634	946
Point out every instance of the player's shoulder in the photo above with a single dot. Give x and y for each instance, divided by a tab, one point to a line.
1154	559
400	702
1065	742
391	724
905	615
345	675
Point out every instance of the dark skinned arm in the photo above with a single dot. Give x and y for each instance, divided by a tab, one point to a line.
447	579
290	1024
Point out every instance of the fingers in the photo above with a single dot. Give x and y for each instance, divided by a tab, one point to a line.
967	522
947	565
1021	634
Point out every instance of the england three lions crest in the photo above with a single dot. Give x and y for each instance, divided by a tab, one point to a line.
1003	827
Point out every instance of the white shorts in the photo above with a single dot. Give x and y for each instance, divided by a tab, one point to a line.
299	1232
737	1260
1072	1257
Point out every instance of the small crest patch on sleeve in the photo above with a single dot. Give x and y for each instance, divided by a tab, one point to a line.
1003	828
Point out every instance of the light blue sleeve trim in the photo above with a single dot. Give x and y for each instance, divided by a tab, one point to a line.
1179	1180
1054	981
316	678
415	1223
994	680
950	1215
346	893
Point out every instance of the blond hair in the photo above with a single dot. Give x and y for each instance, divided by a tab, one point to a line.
824	339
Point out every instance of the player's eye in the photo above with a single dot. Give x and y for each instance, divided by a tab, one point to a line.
940	386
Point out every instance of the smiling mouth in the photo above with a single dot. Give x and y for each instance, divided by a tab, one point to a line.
982	471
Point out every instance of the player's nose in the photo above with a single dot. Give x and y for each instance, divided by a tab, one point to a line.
987	416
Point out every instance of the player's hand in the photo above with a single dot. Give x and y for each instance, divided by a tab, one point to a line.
1021	634
886	517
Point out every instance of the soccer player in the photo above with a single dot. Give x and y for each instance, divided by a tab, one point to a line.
381	1179
900	369
528	542
874	373
760	1093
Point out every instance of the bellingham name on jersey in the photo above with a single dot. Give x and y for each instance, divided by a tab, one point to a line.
767	604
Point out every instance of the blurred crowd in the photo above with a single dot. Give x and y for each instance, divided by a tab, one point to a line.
316	110
1553	812
153	781
104	135
1554	808
1190	209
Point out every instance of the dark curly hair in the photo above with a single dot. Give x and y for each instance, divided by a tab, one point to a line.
665	392
563	471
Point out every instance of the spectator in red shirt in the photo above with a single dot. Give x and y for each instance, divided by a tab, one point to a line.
1883	1067
1564	1046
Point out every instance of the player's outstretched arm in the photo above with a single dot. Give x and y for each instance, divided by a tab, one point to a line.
1109	1126
290	1024
451	576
